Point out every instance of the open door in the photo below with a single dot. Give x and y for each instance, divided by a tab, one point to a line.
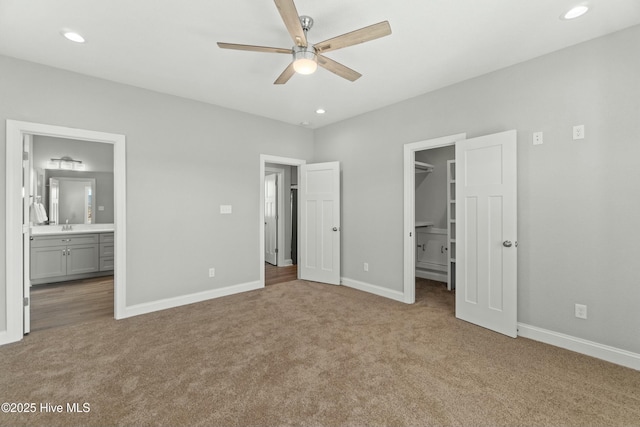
27	200
486	229
271	219
319	193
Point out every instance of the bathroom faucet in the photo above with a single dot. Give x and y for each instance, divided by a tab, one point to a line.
67	227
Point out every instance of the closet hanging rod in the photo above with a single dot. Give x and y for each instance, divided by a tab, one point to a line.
423	167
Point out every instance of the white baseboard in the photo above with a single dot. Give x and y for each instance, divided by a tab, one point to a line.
163	304
373	289
579	345
288	262
432	275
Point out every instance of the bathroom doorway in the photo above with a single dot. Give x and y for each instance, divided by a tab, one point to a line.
18	219
71	191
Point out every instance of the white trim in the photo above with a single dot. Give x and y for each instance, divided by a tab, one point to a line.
409	207
373	289
280	190
432	275
163	304
14	254
288	262
579	345
264	159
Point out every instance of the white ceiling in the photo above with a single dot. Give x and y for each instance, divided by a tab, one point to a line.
170	46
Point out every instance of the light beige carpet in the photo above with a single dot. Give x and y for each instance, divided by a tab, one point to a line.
302	353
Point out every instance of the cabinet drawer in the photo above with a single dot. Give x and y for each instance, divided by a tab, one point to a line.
68	240
106	264
106	238
106	250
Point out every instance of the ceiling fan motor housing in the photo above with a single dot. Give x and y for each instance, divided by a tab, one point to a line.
307	22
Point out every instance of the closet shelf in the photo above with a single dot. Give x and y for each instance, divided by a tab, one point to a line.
424	224
422	167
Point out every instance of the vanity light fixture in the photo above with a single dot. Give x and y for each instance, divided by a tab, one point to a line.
73	36
575	12
66	163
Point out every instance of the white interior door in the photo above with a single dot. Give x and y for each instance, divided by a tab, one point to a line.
319	194
271	219
486	254
28	198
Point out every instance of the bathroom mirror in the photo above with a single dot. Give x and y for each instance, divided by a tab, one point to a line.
71	200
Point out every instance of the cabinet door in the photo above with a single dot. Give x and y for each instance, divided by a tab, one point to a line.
48	262
432	248
82	259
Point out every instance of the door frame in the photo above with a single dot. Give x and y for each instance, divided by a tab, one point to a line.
280	261
409	288
15	131
264	159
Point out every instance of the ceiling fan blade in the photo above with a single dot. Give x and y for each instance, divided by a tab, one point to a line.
291	20
338	68
285	76
253	48
362	35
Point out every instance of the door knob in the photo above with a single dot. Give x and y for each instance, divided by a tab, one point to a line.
507	243
335	228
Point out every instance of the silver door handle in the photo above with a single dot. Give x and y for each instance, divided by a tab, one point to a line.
507	243
335	228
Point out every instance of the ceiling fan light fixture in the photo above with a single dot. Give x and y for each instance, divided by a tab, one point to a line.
304	61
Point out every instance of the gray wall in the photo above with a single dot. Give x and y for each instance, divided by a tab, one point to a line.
184	159
578	201
97	158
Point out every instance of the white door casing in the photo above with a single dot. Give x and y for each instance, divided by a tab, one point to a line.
486	253
15	257
271	219
409	276
264	160
319	194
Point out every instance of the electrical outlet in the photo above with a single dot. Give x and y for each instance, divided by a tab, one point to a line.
537	138
581	311
366	266
212	272
578	132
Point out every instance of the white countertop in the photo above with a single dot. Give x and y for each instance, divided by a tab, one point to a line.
42	230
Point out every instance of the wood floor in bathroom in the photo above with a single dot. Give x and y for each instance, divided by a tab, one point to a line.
79	301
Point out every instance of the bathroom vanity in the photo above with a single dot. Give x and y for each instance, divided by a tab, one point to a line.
79	253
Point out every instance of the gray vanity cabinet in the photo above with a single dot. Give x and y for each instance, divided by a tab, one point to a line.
106	251
58	257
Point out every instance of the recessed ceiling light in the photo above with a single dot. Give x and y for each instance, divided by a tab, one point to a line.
320	111
575	12
73	36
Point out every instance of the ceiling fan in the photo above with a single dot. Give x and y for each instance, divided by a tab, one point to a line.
307	58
